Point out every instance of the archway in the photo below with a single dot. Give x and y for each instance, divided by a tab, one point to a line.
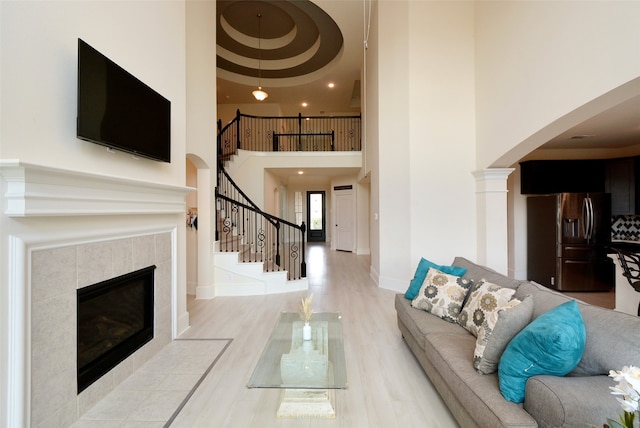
597	110
199	254
594	110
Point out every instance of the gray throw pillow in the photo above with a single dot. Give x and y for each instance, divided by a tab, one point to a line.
494	317
510	322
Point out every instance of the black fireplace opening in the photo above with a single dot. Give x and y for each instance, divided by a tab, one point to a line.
115	319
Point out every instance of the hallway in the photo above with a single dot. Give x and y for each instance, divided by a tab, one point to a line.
387	387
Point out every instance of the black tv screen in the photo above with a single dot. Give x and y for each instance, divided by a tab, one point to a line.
117	110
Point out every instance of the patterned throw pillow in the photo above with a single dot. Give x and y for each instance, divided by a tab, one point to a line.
494	317
421	274
442	294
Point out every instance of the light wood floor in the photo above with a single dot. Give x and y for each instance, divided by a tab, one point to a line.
605	299
387	387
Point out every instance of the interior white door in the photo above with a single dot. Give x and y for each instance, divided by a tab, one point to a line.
345	221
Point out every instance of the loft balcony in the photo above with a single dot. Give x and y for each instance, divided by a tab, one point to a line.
289	134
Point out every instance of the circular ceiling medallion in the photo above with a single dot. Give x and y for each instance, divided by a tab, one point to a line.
293	38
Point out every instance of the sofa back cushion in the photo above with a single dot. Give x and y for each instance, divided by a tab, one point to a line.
543	298
613	338
613	341
477	272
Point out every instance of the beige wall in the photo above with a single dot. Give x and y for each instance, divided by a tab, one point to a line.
541	69
370	136
39	78
537	62
456	87
201	137
426	144
38	87
192	233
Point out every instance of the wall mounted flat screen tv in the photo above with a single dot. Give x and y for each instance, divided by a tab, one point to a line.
117	110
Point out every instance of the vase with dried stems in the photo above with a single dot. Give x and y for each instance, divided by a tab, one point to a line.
306	312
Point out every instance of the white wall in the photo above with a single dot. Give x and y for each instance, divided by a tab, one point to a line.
39	79
363	220
394	169
201	81
271	192
540	69
370	136
38	114
247	168
538	61
463	86
192	234
202	131
426	137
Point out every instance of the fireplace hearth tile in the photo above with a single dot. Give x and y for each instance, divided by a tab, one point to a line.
56	273
158	406
157	391
143	381
179	382
54	393
117	407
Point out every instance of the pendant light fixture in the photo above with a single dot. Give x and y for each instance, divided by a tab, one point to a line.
259	94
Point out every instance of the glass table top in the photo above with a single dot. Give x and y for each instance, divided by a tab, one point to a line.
290	362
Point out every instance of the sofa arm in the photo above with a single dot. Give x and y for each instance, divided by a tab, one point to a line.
571	401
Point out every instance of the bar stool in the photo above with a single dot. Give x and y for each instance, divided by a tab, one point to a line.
630	263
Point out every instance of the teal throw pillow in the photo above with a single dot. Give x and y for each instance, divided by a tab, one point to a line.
421	274
551	344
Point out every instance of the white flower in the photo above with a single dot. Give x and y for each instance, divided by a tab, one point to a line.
628	387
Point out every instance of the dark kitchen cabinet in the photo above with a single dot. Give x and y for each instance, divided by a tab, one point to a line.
541	177
621	181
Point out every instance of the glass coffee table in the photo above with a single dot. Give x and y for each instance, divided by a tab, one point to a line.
307	371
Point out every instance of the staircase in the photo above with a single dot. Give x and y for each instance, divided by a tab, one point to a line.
255	253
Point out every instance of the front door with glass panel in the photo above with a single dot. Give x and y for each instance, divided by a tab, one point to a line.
316	229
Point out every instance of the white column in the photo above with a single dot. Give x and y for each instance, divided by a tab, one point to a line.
205	288
491	205
16	391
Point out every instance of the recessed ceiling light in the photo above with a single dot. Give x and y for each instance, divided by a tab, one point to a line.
581	137
300	172
304	104
331	85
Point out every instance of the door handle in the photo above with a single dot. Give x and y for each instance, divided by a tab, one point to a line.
588	218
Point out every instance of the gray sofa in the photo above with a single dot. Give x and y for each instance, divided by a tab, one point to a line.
581	399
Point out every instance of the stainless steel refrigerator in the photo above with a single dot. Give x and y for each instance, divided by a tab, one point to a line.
567	240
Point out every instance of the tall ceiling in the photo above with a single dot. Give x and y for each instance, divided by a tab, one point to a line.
297	47
293	49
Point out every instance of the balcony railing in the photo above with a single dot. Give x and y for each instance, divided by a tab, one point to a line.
293	133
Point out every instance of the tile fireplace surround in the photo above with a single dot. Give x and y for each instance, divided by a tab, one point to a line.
66	231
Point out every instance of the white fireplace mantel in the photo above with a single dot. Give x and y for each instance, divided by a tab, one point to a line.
31	193
35	190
